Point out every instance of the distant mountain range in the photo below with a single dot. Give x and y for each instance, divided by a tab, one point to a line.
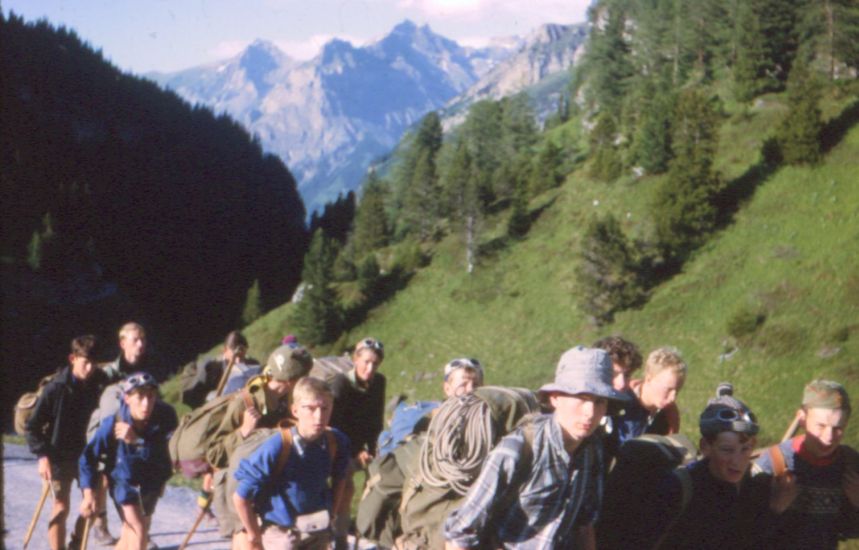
330	117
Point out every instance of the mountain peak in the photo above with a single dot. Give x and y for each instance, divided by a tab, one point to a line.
406	26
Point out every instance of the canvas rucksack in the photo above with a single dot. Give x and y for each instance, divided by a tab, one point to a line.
26	404
225	483
404	421
329	368
189	441
641	465
425	503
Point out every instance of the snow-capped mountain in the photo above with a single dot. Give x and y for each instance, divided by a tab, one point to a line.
331	116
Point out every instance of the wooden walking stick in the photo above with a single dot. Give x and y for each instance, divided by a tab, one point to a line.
85	536
37	513
793	427
226	375
190	534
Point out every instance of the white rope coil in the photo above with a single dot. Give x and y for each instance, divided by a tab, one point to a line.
459	438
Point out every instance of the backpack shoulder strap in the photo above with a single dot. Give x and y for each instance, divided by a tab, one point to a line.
248	398
681	473
777	459
528	430
285	449
332	445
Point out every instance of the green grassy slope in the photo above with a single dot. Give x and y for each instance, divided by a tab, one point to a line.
790	254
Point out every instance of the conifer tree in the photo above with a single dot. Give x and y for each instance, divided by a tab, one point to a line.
798	135
520	220
684	209
464	200
253	305
607	273
652	142
317	317
371	220
605	159
34	251
607	59
546	169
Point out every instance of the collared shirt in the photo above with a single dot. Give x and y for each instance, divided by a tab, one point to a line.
531	506
302	487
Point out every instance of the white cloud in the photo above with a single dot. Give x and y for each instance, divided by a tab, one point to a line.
309	47
544	10
227	48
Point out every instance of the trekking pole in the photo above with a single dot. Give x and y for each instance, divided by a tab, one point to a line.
37	513
792	428
190	534
85	536
226	375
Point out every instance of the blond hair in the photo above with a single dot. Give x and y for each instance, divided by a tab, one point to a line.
311	388
131	327
665	358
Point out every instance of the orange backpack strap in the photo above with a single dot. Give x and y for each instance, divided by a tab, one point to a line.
285	449
777	460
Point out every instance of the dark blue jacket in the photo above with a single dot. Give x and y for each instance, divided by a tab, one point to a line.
58	426
140	468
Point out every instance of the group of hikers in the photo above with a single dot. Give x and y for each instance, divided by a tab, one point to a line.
560	467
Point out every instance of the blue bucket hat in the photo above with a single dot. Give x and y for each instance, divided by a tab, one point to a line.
584	370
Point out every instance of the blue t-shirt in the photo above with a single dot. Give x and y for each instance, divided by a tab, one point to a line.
301	487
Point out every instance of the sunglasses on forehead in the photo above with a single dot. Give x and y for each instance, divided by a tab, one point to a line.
369	343
461	363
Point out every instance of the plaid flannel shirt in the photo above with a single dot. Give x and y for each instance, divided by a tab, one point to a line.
531	506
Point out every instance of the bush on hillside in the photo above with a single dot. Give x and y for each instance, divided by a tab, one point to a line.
745	322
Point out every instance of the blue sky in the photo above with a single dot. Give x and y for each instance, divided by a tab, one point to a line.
168	35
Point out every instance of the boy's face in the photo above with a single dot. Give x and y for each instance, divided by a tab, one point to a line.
366	363
824	430
620	376
579	415
312	415
133	344
661	390
141	402
82	367
461	381
730	455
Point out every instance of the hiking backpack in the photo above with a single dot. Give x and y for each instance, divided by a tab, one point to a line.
470	425
26	404
329	368
641	465
405	420
188	443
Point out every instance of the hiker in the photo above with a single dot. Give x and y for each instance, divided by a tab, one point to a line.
201	380
56	432
132	445
291	494
824	507
548	495
133	356
359	411
462	376
625	360
284	367
713	502
652	407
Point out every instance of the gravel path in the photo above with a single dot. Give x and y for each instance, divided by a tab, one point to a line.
173	518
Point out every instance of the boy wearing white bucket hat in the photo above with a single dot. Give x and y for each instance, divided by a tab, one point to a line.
541	486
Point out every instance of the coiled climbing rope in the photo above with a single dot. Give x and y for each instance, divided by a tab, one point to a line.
459	438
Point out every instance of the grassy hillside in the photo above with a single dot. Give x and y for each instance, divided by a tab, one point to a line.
790	256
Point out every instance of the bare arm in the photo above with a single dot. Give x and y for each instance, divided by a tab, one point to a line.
245	511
